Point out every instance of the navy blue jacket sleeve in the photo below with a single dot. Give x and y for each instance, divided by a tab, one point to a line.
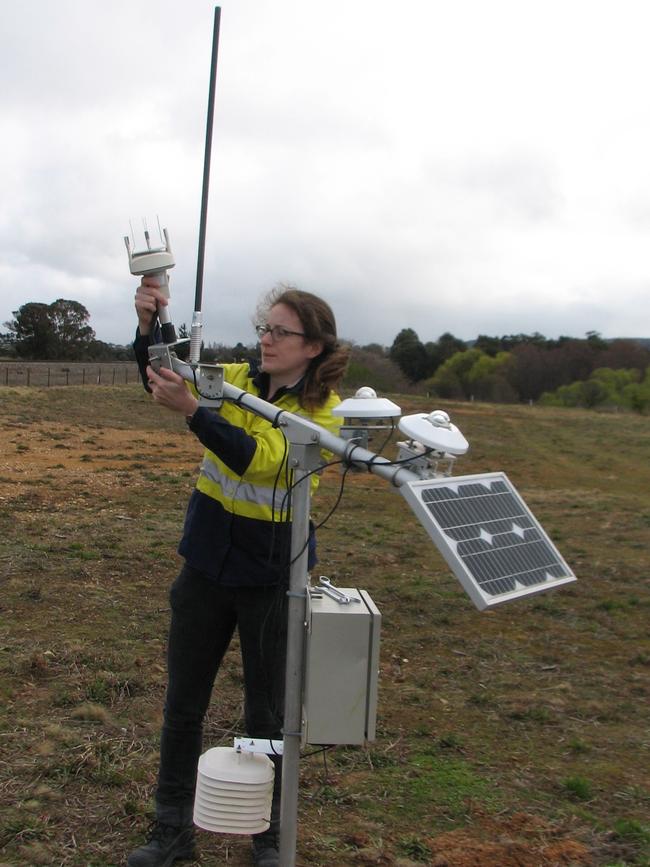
141	349
235	447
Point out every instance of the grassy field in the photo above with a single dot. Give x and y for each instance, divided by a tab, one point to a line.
515	738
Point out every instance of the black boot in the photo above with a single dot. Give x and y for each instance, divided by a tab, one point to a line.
171	838
266	849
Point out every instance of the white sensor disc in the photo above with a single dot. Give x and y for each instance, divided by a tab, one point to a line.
435	431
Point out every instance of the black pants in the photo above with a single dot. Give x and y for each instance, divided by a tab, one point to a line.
204	618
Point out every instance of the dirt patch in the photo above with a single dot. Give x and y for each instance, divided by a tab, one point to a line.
516	738
521	841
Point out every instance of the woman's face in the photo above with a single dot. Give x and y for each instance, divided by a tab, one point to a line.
287	359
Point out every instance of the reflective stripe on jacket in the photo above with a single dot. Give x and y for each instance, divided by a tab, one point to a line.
259	490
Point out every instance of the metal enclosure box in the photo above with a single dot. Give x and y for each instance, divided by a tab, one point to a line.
341	669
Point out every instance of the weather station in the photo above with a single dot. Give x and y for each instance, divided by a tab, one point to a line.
490	539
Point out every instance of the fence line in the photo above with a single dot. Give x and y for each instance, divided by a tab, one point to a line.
37	373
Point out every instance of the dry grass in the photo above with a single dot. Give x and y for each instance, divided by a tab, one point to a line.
514	737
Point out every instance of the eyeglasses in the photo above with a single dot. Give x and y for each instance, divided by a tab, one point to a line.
277	332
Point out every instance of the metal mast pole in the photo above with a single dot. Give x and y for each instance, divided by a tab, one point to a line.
296	613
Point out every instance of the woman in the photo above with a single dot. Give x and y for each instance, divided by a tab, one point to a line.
236	547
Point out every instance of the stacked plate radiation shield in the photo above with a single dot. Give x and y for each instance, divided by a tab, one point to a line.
234	790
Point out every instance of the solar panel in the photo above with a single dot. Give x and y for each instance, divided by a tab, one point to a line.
488	536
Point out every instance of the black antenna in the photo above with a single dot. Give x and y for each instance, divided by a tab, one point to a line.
195	340
198	297
197	324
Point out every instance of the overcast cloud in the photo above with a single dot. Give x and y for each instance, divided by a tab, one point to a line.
473	167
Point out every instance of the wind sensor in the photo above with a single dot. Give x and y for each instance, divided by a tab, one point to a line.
155	262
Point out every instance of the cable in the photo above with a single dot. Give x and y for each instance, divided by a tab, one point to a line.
350	461
287	496
387	440
324	749
338	500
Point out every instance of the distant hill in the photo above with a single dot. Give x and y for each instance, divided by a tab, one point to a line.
642	341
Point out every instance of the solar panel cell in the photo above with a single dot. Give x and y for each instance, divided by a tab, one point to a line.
488	535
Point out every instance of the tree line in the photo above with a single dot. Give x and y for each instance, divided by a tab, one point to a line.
59	331
566	371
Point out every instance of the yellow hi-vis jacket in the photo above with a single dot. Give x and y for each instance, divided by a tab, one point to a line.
237	527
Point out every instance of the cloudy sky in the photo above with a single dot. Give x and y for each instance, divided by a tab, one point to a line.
477	166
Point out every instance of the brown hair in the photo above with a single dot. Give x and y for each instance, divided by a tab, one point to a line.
326	371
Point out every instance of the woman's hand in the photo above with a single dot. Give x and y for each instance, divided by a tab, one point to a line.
147	298
169	390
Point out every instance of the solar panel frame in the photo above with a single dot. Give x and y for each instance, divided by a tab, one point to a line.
489	537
